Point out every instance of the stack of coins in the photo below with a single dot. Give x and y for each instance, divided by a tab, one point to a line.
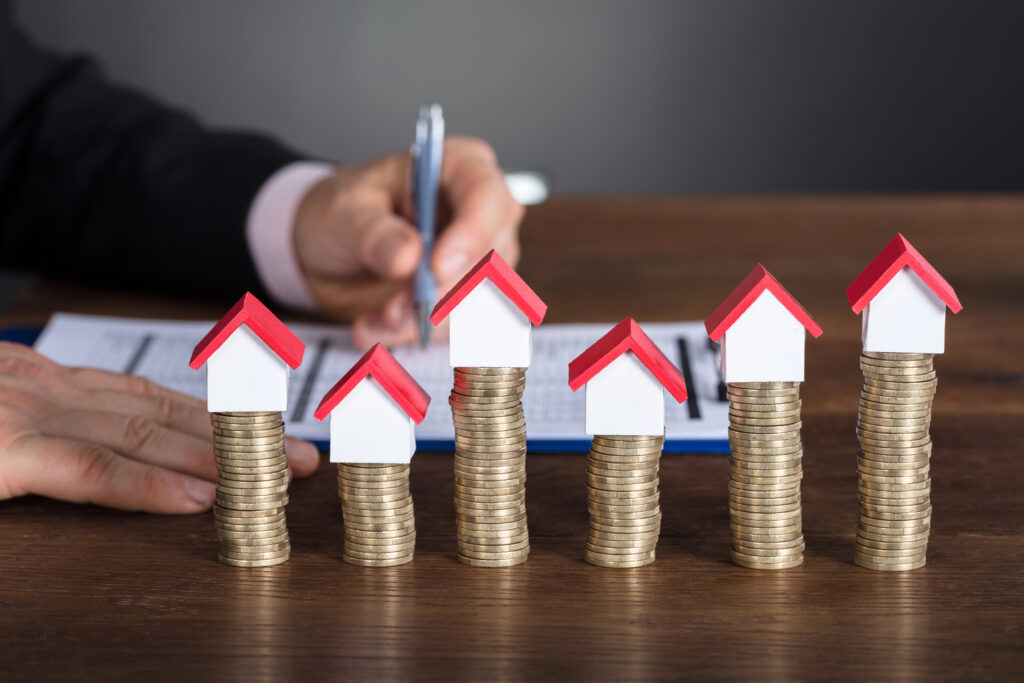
765	469
894	484
252	488
380	528
622	498
490	466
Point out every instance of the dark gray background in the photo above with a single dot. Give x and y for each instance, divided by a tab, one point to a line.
626	97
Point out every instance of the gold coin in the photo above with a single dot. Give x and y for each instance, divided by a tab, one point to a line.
379	563
624	526
498	472
770	431
616	454
867	564
265	555
634	441
493	530
771	408
508	537
253	563
619	565
922	406
760	508
868	535
519	559
738	421
901	460
477	370
238	479
261	491
876	453
759	530
748	442
767	480
752	563
619	557
362	514
892	441
872	526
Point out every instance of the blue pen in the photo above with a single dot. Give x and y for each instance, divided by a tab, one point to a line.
426	155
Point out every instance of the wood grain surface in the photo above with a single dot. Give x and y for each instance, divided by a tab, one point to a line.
87	593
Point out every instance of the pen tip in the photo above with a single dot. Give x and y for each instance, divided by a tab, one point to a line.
424	320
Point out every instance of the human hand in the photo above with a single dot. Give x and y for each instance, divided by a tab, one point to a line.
359	250
91	436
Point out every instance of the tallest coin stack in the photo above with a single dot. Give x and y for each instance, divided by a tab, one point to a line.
893	478
902	301
490	466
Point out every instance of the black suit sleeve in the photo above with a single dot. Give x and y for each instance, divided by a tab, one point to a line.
101	183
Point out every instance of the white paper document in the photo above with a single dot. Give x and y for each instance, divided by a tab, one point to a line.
160	350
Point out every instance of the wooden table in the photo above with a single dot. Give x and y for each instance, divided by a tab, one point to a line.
92	593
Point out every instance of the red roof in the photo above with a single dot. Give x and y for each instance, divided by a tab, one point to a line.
759	280
262	322
896	256
627	336
390	374
494	268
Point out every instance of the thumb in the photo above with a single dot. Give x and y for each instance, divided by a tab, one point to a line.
386	244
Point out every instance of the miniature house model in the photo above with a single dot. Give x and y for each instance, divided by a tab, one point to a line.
491	312
373	411
902	300
626	376
247	356
762	331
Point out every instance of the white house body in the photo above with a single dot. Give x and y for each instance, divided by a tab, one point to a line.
246	375
488	330
906	316
765	344
367	426
625	398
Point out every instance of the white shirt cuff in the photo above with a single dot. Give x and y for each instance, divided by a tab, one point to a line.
268	232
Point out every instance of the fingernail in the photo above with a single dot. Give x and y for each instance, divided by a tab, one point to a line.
453	265
200	490
388	250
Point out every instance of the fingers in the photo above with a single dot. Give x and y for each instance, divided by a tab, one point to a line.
187	417
386	243
83	472
347	223
393	325
485	215
139	438
162	431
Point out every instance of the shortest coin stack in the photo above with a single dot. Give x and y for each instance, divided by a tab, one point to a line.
252	488
893	478
765	469
622	498
380	527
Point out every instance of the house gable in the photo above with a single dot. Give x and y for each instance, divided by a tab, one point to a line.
905	316
625	398
369	427
244	374
488	330
765	344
